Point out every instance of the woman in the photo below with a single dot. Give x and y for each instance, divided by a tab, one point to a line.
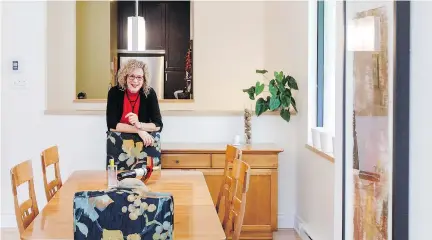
132	111
132	106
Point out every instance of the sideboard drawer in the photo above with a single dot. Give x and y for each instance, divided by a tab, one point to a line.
186	161
254	160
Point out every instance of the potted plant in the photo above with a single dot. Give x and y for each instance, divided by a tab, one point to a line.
280	98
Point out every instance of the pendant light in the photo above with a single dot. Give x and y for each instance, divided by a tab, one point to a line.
136	32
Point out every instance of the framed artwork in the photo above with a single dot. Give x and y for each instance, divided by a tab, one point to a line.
376	120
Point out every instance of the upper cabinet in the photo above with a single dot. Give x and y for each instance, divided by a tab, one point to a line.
167	27
154	15
177	34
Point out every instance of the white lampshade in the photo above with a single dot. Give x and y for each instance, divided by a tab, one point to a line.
136	34
363	34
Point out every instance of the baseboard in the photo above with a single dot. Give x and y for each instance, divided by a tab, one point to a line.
284	221
302	229
8	221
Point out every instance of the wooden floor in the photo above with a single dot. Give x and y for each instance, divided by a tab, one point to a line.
282	234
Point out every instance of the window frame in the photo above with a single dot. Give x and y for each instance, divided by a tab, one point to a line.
320	63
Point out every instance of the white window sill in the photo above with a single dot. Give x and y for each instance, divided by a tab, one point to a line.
328	156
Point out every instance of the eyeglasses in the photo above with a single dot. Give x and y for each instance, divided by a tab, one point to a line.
133	77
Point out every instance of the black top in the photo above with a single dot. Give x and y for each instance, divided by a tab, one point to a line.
148	112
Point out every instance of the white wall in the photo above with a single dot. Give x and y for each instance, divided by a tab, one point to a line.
286	23
81	139
318	182
420	122
1	82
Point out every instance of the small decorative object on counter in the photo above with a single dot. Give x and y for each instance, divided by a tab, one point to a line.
82	95
247	125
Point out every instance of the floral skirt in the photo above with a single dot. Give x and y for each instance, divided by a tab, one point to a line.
123	213
129	152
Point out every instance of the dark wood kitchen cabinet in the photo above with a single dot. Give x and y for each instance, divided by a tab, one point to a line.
154	15
177	35
168	28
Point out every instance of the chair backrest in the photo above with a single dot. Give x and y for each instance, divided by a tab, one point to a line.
49	157
27	211
231	153
129	152
235	212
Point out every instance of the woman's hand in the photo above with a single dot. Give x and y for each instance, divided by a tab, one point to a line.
133	118
146	137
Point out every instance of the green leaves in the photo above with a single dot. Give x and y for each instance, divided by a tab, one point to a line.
292	83
274	103
259	88
279	76
293	103
261	106
273	89
251	92
285	98
261	71
280	94
285	114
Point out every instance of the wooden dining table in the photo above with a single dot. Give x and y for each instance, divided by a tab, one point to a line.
194	211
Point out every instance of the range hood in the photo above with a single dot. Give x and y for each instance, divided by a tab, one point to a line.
136	35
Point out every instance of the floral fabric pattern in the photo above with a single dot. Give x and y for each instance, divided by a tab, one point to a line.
129	152
123	214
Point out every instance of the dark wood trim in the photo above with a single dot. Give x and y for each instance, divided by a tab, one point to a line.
401	112
344	124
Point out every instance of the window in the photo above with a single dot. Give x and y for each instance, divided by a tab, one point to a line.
322	68
320	64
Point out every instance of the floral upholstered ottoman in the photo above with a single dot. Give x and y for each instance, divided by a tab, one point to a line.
123	213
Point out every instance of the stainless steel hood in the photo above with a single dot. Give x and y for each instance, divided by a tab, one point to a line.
136	35
158	52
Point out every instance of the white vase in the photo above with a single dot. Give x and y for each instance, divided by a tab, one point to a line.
316	132
326	142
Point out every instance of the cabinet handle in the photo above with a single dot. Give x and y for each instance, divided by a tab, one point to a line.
166	77
177	161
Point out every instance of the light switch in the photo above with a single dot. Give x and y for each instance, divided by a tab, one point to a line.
15	65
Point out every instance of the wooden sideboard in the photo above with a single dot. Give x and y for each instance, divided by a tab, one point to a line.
262	198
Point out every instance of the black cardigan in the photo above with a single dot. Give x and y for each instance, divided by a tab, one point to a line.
148	112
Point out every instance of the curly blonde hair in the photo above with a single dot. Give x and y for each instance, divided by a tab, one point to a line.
126	69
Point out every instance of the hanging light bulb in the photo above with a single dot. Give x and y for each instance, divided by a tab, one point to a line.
136	32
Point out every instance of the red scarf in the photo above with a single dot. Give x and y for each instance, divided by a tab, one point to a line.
131	103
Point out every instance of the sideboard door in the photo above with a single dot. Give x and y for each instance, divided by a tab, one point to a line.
261	204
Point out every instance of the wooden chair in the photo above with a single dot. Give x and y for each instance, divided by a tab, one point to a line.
235	210
231	153
50	156
27	211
